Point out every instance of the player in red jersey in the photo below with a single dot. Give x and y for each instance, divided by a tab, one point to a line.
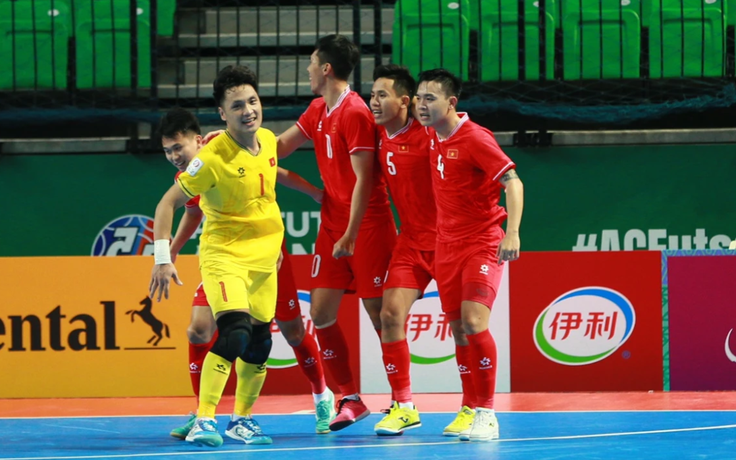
344	135
181	140
403	152
469	170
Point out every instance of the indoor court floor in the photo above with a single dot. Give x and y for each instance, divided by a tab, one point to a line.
607	426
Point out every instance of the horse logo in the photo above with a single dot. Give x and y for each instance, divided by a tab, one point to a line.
146	315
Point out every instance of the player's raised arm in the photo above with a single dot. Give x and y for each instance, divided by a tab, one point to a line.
187	226
290	140
362	162
296	182
164	270
510	245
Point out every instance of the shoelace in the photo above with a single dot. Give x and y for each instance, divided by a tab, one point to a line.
207	425
483	418
252	426
323	410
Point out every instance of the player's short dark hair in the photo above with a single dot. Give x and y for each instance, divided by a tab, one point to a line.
339	52
178	121
230	77
450	83
404	83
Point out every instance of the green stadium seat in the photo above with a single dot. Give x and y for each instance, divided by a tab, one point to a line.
601	39
166	11
499	40
35	39
428	34
687	38
103	44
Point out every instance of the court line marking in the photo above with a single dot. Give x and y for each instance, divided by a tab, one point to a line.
311	412
78	428
377	446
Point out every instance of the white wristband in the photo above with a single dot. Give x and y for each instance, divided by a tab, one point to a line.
161	252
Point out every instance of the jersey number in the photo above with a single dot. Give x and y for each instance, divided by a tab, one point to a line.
263	191
390	164
329	146
440	166
315	265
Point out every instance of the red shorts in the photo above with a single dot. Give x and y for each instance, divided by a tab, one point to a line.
200	298
287	302
409	268
365	271
468	270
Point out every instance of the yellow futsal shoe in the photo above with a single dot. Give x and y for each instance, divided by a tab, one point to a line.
398	420
462	423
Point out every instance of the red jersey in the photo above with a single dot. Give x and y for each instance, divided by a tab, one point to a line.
466	168
338	133
404	158
194	202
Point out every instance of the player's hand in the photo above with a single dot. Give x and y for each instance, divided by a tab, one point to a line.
344	247
209	136
161	276
318	196
509	248
281	259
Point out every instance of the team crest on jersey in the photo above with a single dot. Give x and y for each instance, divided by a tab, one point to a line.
194	167
334	128
452	154
272	161
403	148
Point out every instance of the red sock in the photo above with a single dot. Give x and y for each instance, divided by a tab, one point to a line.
307	354
397	363
379	332
462	355
483	351
197	353
335	357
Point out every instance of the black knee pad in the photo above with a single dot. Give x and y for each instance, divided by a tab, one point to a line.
234	333
260	345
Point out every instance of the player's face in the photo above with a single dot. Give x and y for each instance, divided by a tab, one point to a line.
316	74
180	150
386	105
433	105
242	110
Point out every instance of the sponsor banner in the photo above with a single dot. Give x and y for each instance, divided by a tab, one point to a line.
586	322
702	323
85	327
432	348
284	374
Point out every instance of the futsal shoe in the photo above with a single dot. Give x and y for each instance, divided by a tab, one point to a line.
349	411
246	429
182	432
462	423
398	420
324	412
204	433
485	426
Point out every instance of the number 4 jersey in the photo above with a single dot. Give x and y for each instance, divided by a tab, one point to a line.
404	158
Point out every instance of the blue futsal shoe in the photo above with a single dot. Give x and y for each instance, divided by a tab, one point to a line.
246	429
204	433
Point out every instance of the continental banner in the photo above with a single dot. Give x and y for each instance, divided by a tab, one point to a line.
85	327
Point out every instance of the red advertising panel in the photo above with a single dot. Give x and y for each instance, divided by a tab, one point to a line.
586	321
702	318
284	375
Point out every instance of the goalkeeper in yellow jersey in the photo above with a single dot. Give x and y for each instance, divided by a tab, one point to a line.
240	246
